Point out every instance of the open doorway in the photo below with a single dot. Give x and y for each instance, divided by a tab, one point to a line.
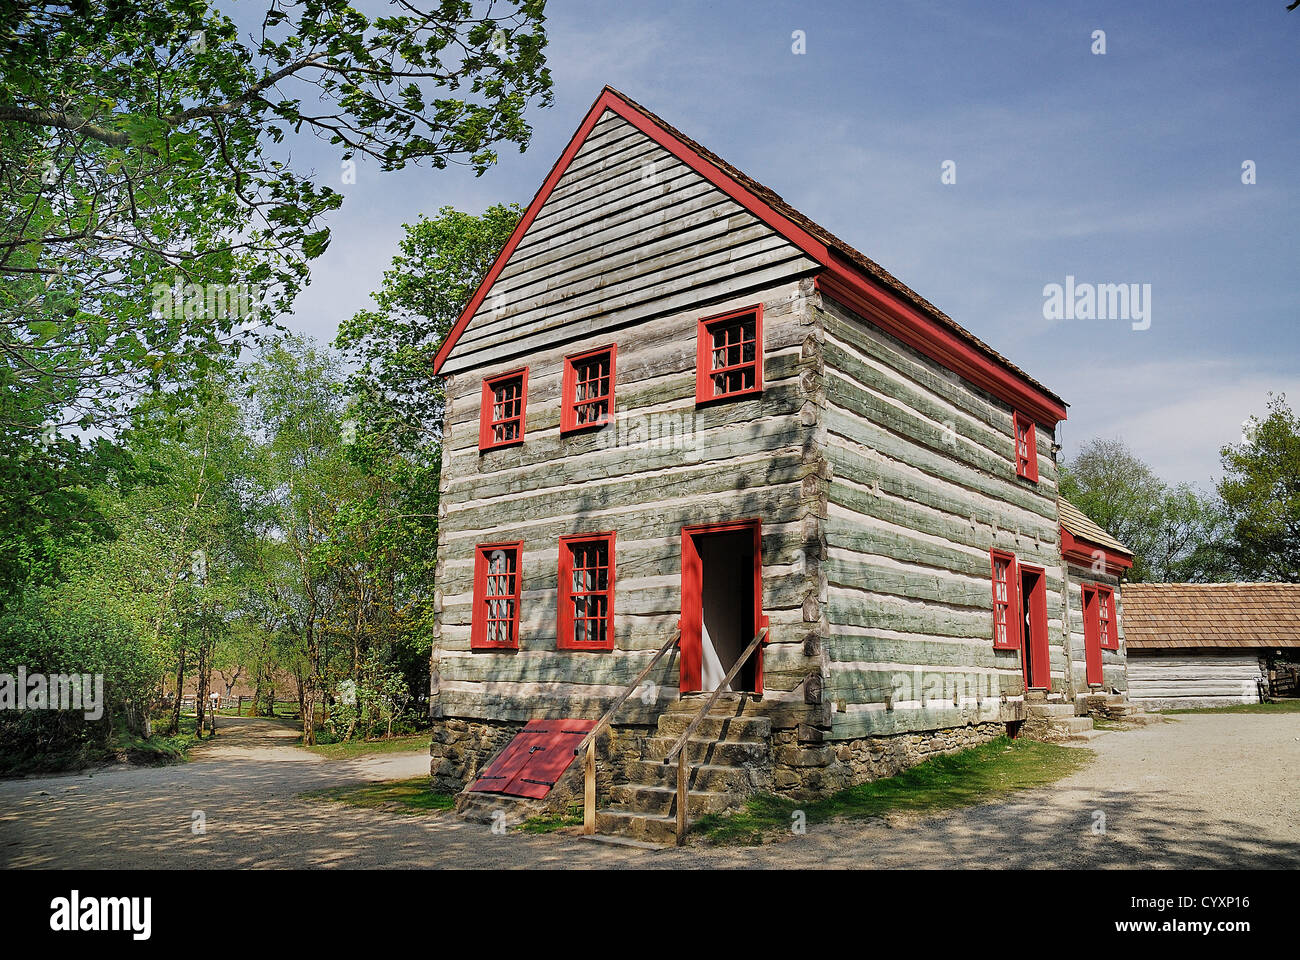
722	602
1035	651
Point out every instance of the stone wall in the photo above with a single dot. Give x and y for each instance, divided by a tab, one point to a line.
808	771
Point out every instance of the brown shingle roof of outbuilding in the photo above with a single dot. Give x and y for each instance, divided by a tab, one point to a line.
1211	615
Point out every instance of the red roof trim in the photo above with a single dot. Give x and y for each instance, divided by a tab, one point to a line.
842	280
843	283
1085	552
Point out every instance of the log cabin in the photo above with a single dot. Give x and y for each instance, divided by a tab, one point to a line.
718	488
1197	645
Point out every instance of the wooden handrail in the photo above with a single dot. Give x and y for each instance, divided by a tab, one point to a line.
726	682
589	741
679	750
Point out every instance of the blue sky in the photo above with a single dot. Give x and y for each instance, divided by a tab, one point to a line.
1117	168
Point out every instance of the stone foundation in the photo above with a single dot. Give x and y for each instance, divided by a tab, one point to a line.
805	771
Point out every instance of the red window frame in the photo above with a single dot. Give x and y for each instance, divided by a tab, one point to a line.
1107	636
570	595
485	614
1025	440
573	409
1006	600
705	352
488	422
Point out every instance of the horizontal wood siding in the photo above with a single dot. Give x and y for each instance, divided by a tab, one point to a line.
629	233
1180	679
924	484
663	464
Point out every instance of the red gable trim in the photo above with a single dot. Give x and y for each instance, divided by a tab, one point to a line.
843	283
1086	552
842	280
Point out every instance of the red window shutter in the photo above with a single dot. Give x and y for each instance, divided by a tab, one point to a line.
494	622
588	385
586	595
503	412
729	355
1006	601
1026	447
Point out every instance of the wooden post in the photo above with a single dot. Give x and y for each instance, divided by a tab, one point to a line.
589	790
681	797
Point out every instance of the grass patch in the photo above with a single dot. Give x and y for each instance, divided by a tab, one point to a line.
402	796
1280	706
160	748
364	748
968	777
551	822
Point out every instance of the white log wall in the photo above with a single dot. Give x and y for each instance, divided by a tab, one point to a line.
924	485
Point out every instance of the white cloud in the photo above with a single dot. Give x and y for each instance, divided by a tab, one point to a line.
1175	415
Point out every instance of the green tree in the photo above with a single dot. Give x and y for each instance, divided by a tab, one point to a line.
1175	533
151	217
1261	493
440	262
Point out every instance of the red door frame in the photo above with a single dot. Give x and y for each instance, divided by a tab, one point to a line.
1092	637
1039	661
692	621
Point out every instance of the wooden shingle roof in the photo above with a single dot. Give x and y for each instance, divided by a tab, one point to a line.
1079	524
1211	615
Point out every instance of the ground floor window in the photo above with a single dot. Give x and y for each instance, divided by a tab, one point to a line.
586	616
496	596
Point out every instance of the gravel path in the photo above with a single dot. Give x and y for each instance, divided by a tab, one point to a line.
1201	791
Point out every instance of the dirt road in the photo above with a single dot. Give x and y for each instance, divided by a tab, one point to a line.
1201	791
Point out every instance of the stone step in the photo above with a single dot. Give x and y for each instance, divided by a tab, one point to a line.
637	826
662	801
1083	736
490	807
716	727
726	753
1070	725
724	778
1052	710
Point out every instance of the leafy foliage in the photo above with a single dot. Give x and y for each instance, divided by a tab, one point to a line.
151	218
1261	493
439	264
1175	533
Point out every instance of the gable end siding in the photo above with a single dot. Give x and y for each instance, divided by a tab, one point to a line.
629	233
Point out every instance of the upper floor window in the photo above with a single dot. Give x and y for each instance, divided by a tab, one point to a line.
586	592
495	619
1006	602
501	419
1026	447
729	355
588	390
